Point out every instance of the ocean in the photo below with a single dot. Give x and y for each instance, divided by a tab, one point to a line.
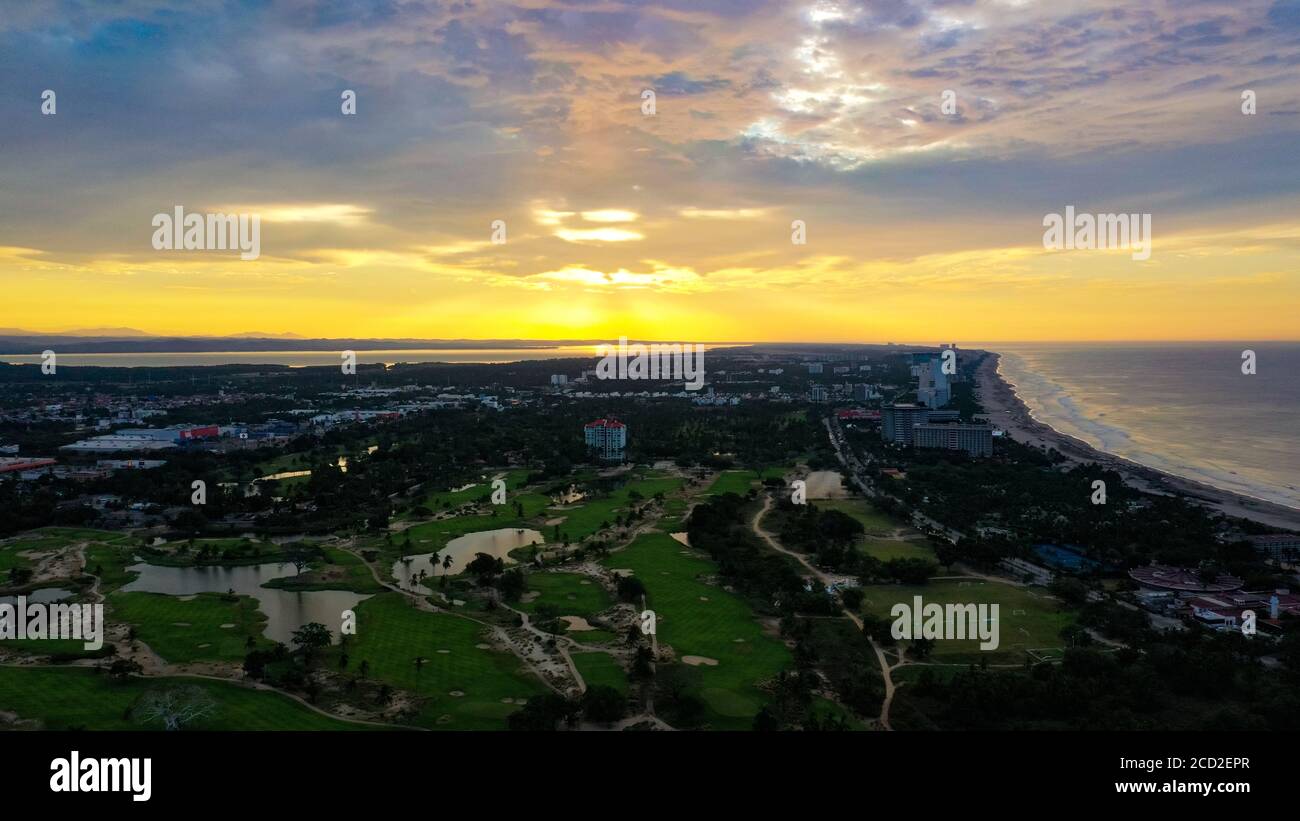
1184	408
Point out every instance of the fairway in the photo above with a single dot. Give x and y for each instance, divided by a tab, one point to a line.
1027	619
77	698
466	682
587	518
601	668
738	482
183	629
565	594
697	619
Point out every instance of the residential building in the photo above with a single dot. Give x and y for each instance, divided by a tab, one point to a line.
607	437
975	440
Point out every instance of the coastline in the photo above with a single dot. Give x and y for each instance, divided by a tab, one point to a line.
1007	410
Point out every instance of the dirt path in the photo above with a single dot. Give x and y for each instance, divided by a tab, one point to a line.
853	617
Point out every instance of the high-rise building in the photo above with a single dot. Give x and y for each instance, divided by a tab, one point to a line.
607	437
897	421
933	389
975	440
819	393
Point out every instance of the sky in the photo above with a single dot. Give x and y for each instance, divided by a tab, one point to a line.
923	221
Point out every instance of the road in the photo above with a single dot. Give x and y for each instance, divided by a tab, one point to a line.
853	617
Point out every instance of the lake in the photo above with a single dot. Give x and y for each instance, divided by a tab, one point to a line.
286	611
462	550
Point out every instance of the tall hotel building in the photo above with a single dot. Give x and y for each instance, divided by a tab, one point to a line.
607	437
898	421
975	440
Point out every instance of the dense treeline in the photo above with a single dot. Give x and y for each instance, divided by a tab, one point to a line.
720	527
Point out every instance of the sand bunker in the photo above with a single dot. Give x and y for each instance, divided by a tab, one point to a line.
684	538
444	652
556	520
530	596
455	694
180	624
704	598
577	623
696	661
483	646
227	625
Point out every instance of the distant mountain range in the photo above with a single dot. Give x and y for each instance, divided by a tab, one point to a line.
16	341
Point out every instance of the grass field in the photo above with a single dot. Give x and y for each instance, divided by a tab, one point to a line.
886	549
594	637
178	629
10	559
450	499
873	520
465	686
733	481
1027	617
700	620
568	594
110	561
601	668
78	698
340	570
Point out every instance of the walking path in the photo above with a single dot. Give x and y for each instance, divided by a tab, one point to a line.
853	617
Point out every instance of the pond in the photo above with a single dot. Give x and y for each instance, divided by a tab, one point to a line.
462	549
44	594
286	610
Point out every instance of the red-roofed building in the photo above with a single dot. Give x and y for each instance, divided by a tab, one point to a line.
24	463
607	437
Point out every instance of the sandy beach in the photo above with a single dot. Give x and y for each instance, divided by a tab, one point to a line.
1007	411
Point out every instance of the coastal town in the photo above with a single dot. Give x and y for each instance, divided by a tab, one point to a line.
284	533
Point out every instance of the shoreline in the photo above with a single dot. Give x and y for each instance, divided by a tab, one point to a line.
1008	411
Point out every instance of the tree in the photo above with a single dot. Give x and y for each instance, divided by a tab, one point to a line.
123	668
299	555
310	638
541	713
630	588
511	584
603	704
175	707
485	567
